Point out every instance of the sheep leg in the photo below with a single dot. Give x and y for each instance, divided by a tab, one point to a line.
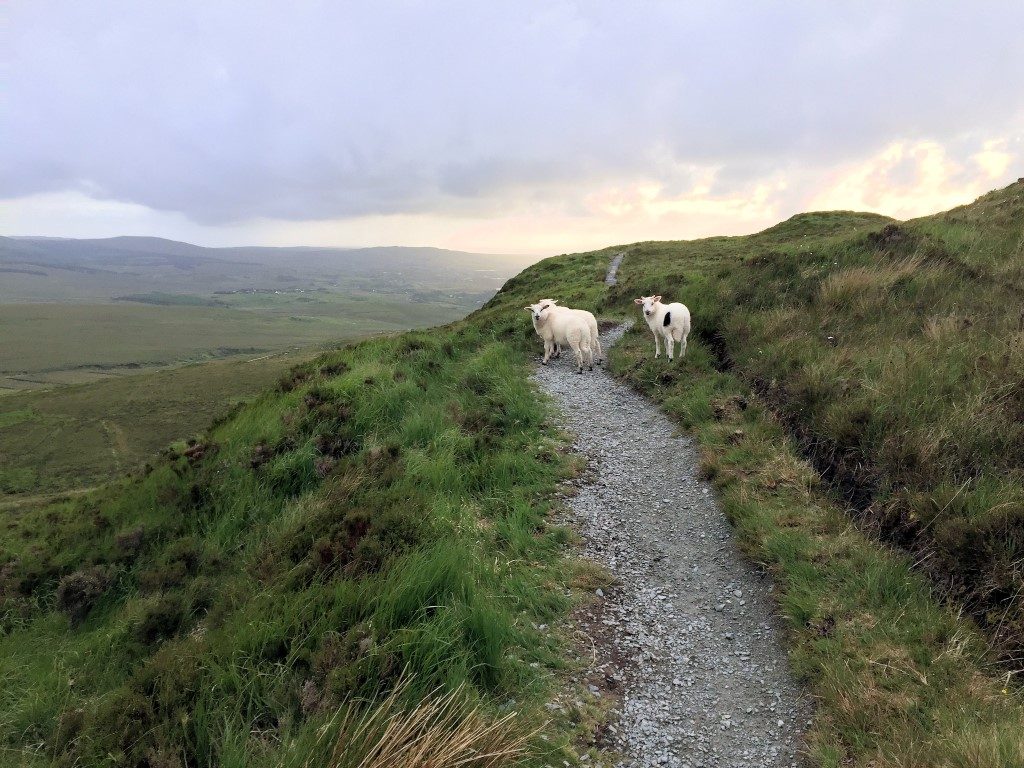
657	346
547	352
682	346
578	352
600	352
670	346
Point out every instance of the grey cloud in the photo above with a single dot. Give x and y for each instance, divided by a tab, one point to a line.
228	111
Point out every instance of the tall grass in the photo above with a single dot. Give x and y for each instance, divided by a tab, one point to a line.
382	511
441	730
848	369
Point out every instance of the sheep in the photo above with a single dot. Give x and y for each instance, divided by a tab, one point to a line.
668	321
565	329
595	336
550	348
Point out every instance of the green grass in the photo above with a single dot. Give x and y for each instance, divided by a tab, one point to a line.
379	514
799	431
169	299
895	357
899	680
844	367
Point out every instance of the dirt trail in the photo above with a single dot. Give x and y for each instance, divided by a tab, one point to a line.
688	636
119	447
18	502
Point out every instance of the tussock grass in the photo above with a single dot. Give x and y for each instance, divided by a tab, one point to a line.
440	731
383	510
858	381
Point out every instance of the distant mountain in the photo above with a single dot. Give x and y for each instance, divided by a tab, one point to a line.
58	269
117	251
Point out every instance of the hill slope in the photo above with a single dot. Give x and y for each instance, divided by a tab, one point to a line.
377	515
895	355
378	521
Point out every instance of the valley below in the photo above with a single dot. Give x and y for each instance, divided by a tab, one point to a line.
111	349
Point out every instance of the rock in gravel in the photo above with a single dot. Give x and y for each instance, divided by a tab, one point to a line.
701	687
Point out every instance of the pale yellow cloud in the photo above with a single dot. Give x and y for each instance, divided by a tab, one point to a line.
994	158
909	179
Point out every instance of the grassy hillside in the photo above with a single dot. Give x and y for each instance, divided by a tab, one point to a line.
377	517
888	357
816	370
894	353
377	522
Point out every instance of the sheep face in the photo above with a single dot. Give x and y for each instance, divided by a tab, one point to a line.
647	303
537	311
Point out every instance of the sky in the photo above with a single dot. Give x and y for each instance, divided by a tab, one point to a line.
502	127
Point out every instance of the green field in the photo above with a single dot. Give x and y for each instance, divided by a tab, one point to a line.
60	343
78	436
369	540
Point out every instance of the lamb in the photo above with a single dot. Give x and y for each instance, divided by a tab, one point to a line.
562	328
670	322
595	337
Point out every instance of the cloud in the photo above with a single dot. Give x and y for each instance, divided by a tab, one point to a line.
908	179
602	117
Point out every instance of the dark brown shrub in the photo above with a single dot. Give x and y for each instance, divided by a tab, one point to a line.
890	235
197	450
162	620
129	542
334	369
293	379
261	454
78	592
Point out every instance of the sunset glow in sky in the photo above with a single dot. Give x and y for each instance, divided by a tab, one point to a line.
497	127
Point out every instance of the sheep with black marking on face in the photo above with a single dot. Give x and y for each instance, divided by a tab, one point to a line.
565	329
668	322
595	336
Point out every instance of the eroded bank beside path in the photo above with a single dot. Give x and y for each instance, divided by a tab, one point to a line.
689	634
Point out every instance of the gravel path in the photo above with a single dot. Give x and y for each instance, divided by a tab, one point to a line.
613	269
690	641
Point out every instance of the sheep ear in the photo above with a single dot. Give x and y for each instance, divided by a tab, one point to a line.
657	299
554	301
528	309
638	301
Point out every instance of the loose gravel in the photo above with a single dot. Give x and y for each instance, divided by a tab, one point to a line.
699	658
613	269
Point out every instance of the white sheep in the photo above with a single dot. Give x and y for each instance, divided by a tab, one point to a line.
595	336
562	328
670	322
551	349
